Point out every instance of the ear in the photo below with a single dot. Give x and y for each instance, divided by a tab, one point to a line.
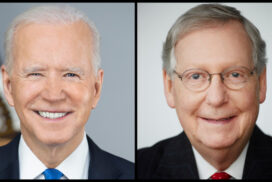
262	86
98	87
7	85
168	89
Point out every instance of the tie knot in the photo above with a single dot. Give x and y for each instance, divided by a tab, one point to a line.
220	175
52	174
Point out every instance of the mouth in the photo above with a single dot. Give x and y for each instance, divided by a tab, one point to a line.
52	115
219	120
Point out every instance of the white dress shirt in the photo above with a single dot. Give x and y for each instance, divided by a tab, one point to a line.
75	166
206	170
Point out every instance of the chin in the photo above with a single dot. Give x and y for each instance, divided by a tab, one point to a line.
217	146
54	139
217	142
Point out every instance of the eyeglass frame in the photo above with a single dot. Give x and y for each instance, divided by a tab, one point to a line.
211	75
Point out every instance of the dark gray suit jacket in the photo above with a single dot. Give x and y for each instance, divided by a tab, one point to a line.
173	158
103	165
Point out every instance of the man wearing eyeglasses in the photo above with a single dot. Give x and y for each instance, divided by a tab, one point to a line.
214	71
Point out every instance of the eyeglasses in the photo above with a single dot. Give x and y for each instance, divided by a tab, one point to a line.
198	79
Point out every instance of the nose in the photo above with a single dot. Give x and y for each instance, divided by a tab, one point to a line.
53	90
216	92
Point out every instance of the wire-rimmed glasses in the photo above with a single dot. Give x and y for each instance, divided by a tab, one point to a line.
197	79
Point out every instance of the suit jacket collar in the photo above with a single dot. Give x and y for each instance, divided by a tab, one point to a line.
100	166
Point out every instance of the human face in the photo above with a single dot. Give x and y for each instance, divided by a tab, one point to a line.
218	117
52	84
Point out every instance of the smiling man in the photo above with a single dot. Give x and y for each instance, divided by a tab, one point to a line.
52	77
214	71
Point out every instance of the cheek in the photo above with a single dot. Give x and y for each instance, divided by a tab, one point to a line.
247	101
82	99
187	104
81	95
24	93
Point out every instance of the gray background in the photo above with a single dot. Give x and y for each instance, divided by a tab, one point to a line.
156	120
111	124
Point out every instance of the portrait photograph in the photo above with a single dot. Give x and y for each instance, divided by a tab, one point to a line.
68	72
204	90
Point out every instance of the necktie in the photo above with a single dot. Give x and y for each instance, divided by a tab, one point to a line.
220	175
52	174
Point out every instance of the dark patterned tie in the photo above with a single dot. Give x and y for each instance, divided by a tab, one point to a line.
220	175
52	174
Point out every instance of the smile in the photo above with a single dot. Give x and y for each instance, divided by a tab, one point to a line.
52	115
220	120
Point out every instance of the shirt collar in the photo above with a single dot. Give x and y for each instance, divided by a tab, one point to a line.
75	166
205	169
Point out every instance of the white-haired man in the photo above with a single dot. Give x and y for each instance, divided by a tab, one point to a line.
52	77
214	71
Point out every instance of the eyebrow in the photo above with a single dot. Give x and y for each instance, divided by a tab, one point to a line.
74	70
42	68
33	69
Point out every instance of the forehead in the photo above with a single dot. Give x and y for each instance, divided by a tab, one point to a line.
78	30
217	44
53	42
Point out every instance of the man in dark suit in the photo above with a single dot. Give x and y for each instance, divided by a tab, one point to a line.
52	77
103	166
214	71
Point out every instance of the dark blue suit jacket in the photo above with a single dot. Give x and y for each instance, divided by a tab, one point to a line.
103	165
173	158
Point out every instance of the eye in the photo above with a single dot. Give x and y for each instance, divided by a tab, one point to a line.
235	74
35	74
195	76
71	75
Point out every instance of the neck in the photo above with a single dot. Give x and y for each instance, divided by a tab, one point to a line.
221	159
51	155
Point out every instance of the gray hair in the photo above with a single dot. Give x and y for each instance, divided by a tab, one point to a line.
51	14
202	16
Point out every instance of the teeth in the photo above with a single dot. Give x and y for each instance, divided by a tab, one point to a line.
51	115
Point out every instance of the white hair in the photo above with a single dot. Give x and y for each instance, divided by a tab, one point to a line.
202	16
51	14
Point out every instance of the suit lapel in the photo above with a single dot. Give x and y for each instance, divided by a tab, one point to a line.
178	161
94	170
100	166
258	164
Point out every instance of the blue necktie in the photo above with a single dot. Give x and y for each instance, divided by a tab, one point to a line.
52	174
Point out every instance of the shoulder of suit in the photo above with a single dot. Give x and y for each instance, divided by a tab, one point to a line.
149	158
12	145
259	138
9	152
112	162
162	145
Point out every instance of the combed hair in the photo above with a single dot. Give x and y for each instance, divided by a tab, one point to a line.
205	15
52	14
